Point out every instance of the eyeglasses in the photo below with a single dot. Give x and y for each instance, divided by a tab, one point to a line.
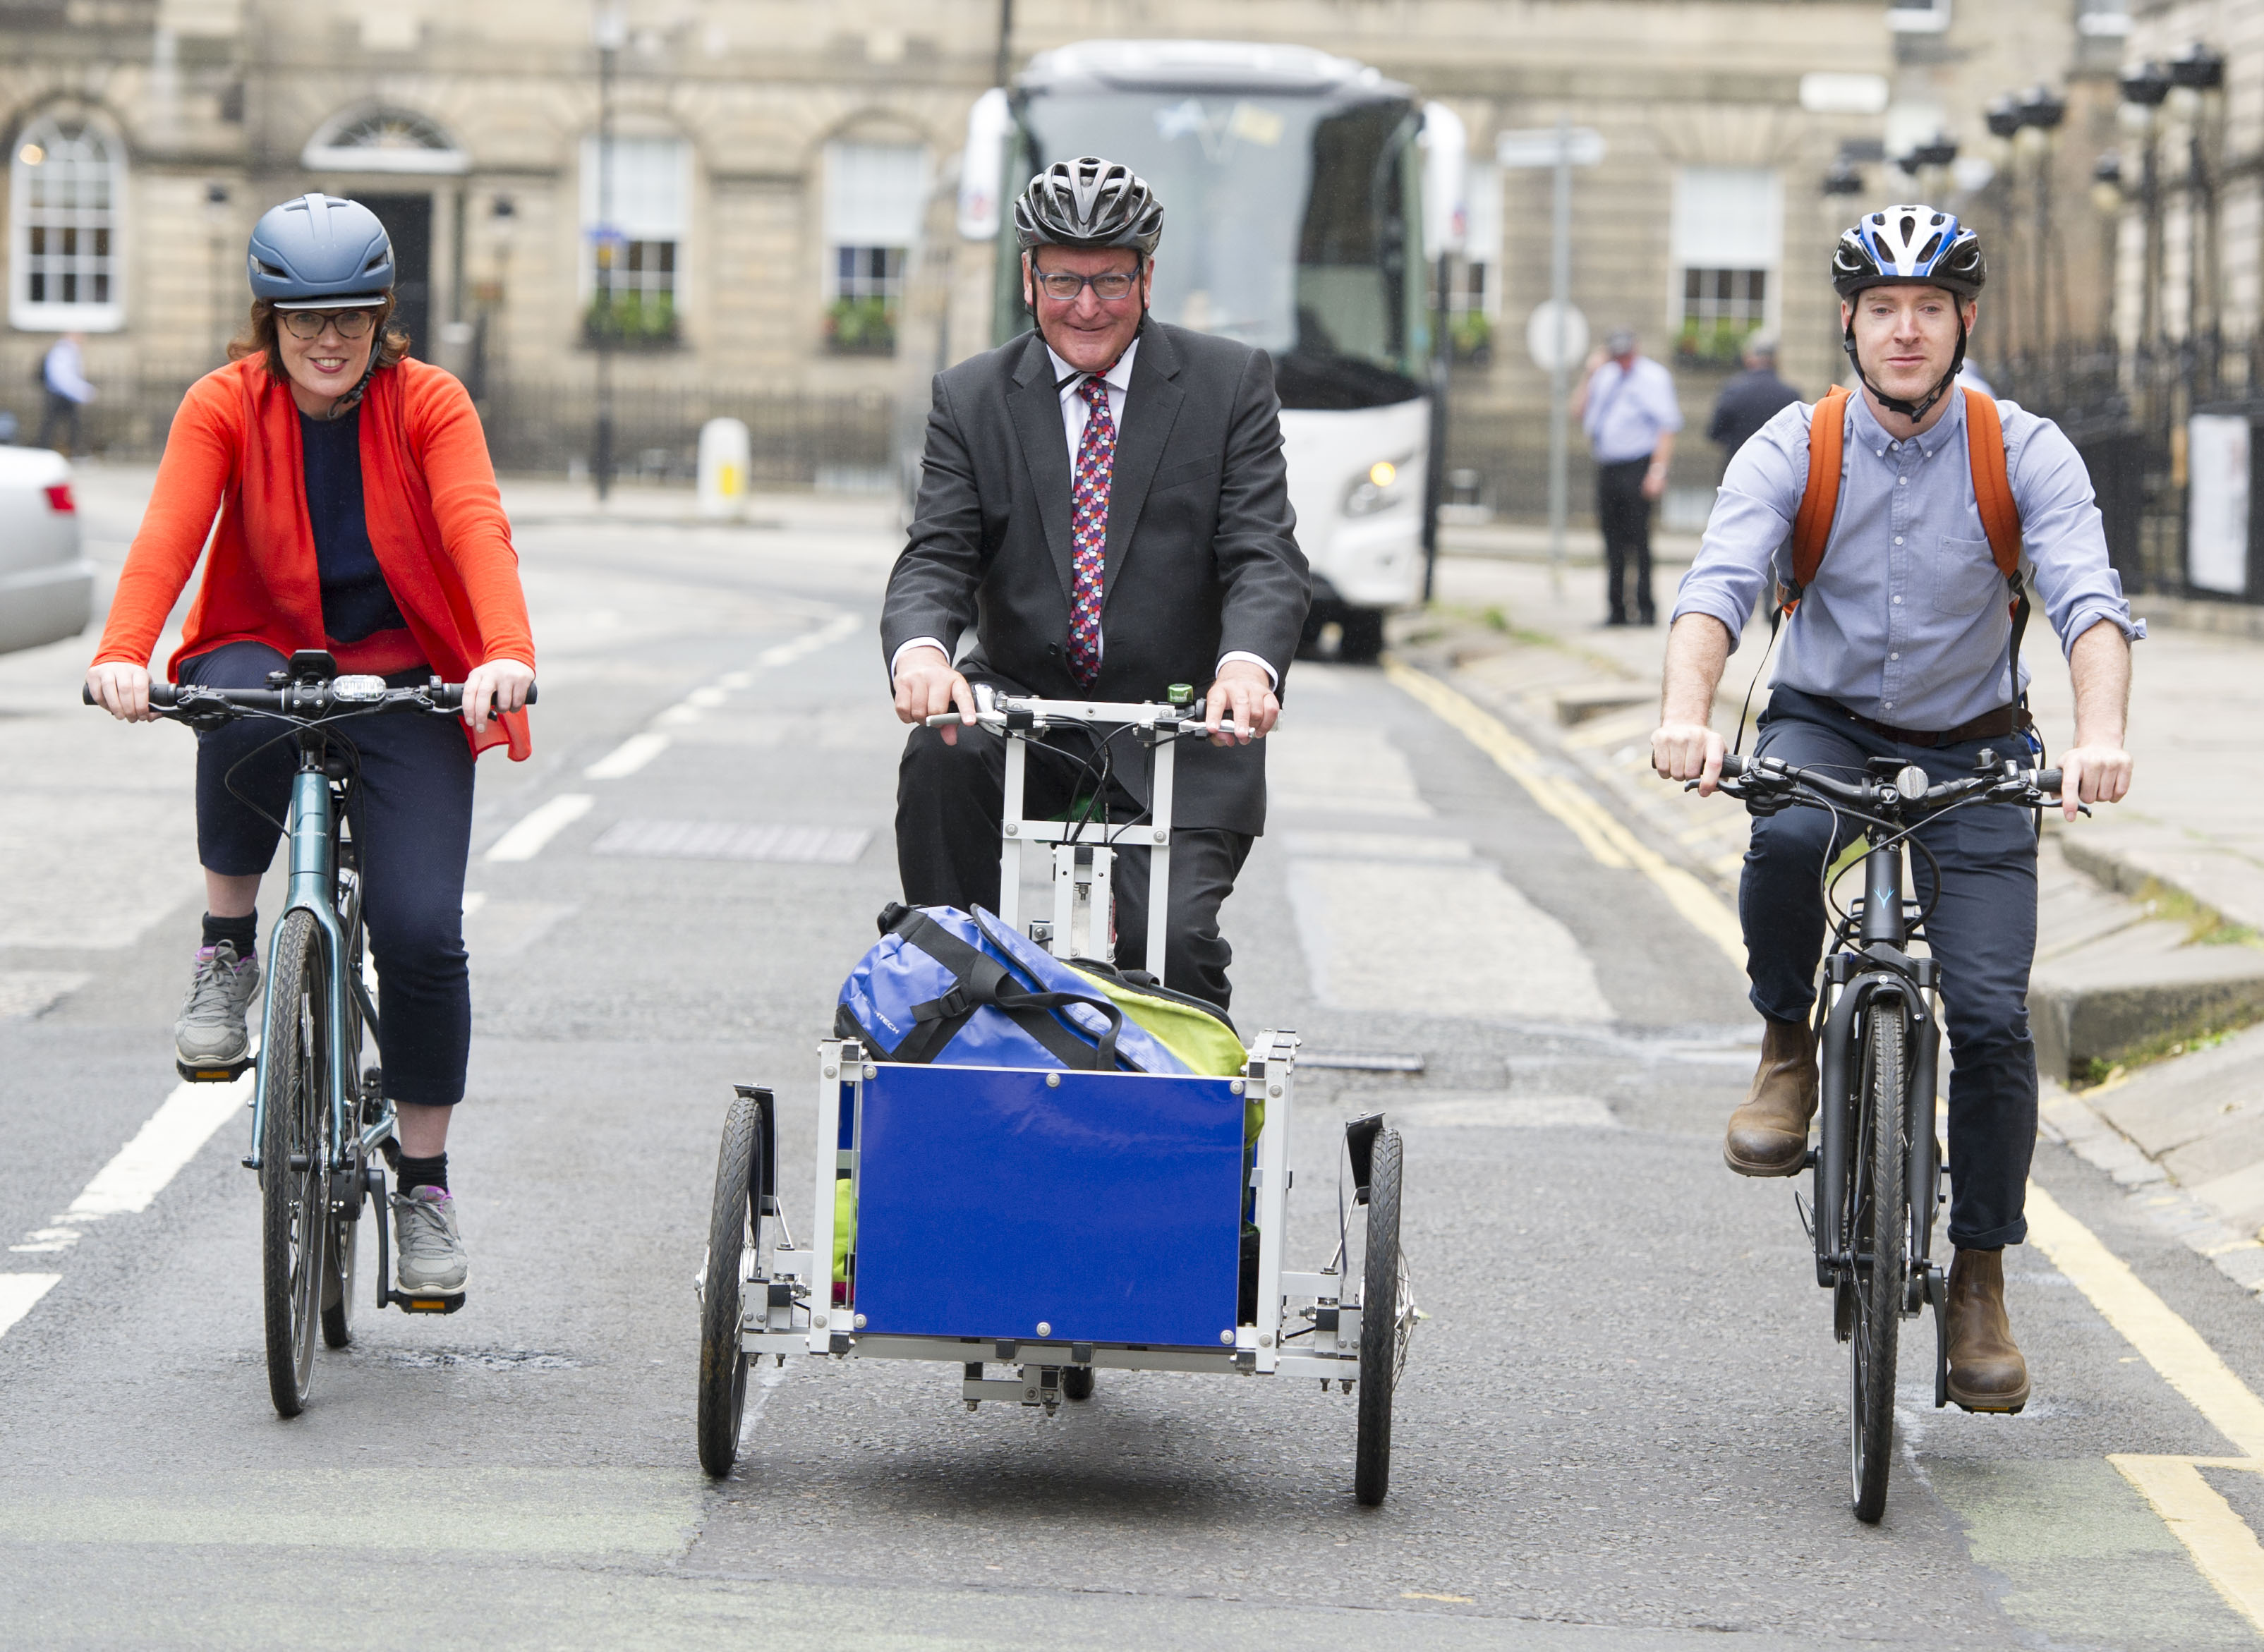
1108	286
309	323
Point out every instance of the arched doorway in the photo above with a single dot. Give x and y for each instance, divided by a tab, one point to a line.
396	144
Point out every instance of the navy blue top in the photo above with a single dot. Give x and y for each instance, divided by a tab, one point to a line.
356	601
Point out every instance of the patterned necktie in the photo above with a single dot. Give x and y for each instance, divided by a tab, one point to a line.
1096	457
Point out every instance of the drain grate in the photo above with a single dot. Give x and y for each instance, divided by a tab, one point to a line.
722	840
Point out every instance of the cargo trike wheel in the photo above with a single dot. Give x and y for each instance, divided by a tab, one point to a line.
1382	1313
734	1234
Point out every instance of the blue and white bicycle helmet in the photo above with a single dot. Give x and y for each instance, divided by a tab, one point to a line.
321	252
1905	244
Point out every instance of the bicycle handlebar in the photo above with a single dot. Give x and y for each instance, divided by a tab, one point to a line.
308	699
1005	714
2027	788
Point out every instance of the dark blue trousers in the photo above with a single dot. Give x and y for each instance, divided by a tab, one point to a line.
1983	932
411	814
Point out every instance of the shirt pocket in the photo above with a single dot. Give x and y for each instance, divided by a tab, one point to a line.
1964	577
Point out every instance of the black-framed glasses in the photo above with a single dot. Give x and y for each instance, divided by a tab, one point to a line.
1108	287
350	323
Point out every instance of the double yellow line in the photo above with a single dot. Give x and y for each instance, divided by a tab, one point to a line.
2220	1542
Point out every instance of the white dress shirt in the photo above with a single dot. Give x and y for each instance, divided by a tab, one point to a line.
1076	411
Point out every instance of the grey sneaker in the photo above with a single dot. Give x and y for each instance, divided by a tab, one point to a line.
211	1030
431	1251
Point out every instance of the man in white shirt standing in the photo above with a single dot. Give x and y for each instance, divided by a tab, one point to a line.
62	373
1626	403
1103	503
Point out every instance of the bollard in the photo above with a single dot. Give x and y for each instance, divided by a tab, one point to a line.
724	453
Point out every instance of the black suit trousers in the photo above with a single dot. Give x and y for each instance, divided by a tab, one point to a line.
949	799
1624	515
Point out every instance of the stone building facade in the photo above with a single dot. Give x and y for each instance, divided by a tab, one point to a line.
771	159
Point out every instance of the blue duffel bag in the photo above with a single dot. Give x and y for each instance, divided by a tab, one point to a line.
957	989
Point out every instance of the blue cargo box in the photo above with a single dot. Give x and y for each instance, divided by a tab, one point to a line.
1106	1206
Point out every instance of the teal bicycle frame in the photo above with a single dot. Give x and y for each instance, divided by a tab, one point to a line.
313	831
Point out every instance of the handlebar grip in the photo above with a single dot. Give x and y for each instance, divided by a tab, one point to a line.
164	695
450	696
1732	765
2048	780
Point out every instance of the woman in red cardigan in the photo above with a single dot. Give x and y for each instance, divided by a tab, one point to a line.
357	512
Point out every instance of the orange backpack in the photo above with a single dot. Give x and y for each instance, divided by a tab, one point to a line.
1993	492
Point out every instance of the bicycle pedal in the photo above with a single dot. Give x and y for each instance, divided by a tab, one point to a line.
214	1073
426	1304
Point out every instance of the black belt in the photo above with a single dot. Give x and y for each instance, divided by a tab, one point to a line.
2005	720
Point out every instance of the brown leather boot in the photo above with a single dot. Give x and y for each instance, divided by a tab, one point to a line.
1768	1134
1986	1372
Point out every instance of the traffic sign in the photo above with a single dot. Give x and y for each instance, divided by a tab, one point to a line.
1543	335
1536	146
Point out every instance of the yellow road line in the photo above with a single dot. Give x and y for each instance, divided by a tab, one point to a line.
2172	1347
2220	1542
1604	838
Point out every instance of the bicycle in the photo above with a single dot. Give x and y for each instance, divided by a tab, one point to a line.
1878	1026
318	1117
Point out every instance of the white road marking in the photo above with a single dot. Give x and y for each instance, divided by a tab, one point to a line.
18	1294
526	840
173	1137
825	637
628	757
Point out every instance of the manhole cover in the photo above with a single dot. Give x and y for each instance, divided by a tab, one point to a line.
722	840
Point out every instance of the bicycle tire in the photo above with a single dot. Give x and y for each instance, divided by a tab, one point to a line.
1379	1325
733	1229
1879	1223
294	1159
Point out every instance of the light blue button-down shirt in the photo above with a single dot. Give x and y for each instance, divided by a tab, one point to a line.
1908	621
1628	409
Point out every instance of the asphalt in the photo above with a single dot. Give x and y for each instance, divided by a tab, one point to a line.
1624	1425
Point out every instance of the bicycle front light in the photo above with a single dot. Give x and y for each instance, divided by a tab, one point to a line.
357	688
1382	485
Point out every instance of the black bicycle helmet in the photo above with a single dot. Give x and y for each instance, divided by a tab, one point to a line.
319	252
1089	202
1903	246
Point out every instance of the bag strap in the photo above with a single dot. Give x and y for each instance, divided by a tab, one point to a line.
983	981
1819	504
1992	486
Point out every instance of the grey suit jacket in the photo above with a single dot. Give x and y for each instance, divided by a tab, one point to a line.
1202	551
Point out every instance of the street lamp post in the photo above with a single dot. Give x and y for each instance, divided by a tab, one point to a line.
216	221
611	31
2143	87
2197	83
2041	111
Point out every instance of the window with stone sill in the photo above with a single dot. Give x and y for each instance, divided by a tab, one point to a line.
67	184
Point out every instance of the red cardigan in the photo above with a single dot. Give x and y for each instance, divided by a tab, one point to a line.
436	523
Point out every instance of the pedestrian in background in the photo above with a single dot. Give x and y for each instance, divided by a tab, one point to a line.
1750	400
1626	403
62	373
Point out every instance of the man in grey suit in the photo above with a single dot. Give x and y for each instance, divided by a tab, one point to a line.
1104	502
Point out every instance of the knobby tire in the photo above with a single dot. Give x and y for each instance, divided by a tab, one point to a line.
1879	1222
294	1157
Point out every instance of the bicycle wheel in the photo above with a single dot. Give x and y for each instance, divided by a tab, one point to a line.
734	1240
295	1152
1380	1335
1879	1222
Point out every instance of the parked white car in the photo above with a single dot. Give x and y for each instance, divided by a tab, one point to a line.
47	584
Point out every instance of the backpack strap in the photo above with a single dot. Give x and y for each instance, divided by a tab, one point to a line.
1992	486
982	980
1819	504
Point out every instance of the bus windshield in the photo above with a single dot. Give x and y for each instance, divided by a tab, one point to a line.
1284	224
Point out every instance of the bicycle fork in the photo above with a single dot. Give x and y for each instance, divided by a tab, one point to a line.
1881	978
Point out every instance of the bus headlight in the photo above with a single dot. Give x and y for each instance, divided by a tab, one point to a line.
1382	485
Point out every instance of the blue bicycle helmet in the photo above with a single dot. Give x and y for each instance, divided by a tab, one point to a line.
319	252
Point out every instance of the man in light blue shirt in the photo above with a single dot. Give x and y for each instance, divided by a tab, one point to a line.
1627	406
1901	647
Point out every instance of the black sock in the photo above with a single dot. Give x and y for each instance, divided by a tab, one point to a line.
410	1174
244	931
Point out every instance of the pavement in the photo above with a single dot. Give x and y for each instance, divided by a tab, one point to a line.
1622	1426
2150	964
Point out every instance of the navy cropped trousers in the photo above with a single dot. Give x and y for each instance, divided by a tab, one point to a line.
1982	931
411	814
